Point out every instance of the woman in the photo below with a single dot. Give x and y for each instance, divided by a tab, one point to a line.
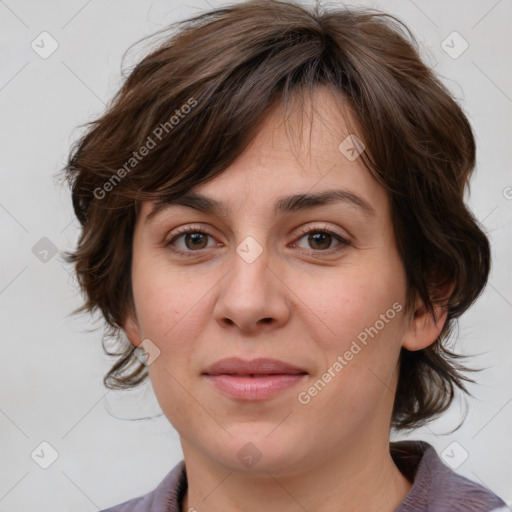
272	213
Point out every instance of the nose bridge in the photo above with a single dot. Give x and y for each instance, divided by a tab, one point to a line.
249	270
251	292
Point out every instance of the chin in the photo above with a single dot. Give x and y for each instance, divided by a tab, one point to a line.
260	453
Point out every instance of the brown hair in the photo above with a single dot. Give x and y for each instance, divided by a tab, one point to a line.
196	102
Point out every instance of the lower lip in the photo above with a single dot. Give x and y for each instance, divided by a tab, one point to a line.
254	388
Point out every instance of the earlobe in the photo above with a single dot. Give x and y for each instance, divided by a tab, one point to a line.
423	329
131	328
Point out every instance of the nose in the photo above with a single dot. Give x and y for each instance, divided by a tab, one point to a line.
252	296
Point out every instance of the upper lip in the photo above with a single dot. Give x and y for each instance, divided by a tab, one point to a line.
260	366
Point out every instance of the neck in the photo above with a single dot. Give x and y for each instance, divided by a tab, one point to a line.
351	480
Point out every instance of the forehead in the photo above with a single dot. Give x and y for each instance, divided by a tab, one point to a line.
296	152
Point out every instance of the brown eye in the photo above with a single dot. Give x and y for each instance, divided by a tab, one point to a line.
188	240
320	240
196	240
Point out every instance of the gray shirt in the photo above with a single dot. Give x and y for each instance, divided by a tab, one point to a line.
436	487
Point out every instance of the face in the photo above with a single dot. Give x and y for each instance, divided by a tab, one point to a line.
317	285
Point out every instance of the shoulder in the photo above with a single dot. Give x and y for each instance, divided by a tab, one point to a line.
436	486
166	496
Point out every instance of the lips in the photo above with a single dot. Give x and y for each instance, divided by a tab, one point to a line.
260	366
259	379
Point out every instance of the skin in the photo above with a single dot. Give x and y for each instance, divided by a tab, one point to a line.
316	295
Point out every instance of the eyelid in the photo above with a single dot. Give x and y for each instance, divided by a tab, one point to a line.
183	230
344	241
305	230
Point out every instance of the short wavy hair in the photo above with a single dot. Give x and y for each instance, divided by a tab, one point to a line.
192	105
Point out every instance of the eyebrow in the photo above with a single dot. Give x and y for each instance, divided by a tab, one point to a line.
285	204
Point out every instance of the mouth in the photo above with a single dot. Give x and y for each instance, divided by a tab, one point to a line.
254	380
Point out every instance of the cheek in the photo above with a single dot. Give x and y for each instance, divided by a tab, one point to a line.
358	374
354	301
172	311
162	297
364	312
172	316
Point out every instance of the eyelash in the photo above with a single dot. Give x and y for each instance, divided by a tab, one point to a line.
303	232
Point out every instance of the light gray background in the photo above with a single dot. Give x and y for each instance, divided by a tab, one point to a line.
51	370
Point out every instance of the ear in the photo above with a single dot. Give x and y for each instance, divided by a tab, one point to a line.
132	330
423	330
